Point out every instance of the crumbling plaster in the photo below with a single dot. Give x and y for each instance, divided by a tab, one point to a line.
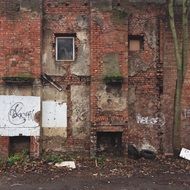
114	100
80	111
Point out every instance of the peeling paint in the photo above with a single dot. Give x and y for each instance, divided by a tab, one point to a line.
83	21
81	67
80	111
137	65
115	100
54	132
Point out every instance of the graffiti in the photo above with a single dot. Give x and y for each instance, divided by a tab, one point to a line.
17	116
186	113
150	120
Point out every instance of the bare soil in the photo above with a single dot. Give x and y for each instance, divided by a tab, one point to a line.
101	174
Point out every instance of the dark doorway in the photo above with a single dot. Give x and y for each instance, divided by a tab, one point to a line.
109	143
19	144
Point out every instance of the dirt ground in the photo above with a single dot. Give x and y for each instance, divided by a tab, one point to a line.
101	174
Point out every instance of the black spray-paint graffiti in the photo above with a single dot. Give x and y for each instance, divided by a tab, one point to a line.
17	116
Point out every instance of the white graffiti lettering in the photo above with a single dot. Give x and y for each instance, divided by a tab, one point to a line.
151	120
186	113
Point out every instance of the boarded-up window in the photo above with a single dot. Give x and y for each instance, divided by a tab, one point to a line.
65	50
54	114
136	43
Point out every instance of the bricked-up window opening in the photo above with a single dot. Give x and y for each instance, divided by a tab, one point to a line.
109	143
114	88
136	43
19	144
65	48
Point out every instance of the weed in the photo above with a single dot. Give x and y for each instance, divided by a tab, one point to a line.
1	162
18	158
53	158
25	152
100	160
14	159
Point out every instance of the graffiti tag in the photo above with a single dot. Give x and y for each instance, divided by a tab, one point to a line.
17	115
186	113
150	120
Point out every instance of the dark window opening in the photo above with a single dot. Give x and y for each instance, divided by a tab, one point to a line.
136	42
114	88
19	144
109	143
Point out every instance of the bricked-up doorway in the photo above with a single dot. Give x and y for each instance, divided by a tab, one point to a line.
19	144
109	143
16	144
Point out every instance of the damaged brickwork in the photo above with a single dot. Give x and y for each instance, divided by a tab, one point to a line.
144	95
114	88
70	18
20	55
109	36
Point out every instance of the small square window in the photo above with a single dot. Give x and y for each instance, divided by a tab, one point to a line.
65	49
136	43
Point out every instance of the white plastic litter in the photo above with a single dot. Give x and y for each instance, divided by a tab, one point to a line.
68	164
185	153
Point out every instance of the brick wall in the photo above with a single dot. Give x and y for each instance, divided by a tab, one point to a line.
140	106
20	36
169	78
69	18
4	147
109	36
20	48
144	84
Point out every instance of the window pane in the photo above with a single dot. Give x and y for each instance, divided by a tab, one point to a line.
65	49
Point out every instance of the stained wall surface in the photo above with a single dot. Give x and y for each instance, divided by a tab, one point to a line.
120	81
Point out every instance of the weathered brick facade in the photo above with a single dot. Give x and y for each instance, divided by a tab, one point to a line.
108	89
20	50
70	18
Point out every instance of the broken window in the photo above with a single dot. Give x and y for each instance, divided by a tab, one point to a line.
136	43
65	50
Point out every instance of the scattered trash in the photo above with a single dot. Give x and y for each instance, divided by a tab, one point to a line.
185	153
133	152
148	154
68	164
16	184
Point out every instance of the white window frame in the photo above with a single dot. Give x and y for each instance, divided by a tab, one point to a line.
70	37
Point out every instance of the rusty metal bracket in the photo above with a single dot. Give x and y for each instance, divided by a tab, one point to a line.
47	78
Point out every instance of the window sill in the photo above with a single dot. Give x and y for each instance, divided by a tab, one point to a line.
18	80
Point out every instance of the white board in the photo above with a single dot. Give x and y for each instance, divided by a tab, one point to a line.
185	153
17	115
54	114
